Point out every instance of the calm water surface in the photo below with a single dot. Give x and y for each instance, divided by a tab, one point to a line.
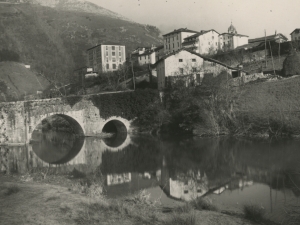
231	172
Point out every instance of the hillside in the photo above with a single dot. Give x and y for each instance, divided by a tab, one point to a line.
20	81
54	41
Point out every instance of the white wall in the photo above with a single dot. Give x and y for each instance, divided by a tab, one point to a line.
207	41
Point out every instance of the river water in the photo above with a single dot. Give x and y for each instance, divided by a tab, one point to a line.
231	172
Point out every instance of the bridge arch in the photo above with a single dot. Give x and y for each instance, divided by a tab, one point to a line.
120	127
74	123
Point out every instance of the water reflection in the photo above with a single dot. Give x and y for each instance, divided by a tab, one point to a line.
232	172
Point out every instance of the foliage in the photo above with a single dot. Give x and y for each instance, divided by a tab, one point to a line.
12	189
8	55
188	219
203	204
291	65
72	100
128	105
254	212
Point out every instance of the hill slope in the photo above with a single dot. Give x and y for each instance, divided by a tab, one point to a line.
54	41
21	81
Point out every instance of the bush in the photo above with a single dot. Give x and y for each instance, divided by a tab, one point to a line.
204	204
254	212
291	64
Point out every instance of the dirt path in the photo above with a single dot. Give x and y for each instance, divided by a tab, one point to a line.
32	203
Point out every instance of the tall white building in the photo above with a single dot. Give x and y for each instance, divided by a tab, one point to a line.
106	57
173	40
204	42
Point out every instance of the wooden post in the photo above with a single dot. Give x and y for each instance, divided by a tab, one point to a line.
279	53
272	58
266	49
133	77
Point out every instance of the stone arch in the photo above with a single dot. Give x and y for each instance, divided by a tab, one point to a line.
39	147
75	123
121	138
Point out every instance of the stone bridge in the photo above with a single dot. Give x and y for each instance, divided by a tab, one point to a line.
87	114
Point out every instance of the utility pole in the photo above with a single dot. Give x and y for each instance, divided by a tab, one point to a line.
266	49
133	77
272	58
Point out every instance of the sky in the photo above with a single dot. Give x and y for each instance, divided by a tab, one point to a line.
250	17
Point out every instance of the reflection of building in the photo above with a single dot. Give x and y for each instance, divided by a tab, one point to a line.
113	179
185	186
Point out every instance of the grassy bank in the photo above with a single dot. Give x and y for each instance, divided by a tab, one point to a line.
39	203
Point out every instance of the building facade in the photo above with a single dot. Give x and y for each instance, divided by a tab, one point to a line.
231	40
189	66
204	42
173	40
295	35
106	57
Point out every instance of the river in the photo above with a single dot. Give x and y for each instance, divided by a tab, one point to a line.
231	172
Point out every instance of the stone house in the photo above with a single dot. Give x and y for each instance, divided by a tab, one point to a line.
190	66
295	35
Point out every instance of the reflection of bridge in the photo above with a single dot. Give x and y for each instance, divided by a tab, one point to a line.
87	115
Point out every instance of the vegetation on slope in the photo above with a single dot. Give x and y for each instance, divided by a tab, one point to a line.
54	41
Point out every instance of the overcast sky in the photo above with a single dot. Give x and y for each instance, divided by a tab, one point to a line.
250	17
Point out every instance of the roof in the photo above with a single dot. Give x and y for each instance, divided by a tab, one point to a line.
248	46
106	43
188	42
158	48
295	30
231	34
181	30
197	54
268	38
200	33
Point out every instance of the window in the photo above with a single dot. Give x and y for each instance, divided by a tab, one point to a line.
177	36
114	59
193	60
106	59
107	66
208	43
114	66
119	53
186	191
178	44
120	60
194	69
173	45
106	53
180	60
106	47
212	37
112	47
181	70
113	53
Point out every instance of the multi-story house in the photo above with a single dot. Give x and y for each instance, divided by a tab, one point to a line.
188	66
173	40
204	42
106	57
231	40
147	55
295	35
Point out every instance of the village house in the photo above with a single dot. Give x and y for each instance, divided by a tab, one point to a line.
295	35
106	57
147	55
173	40
190	66
204	42
271	38
231	40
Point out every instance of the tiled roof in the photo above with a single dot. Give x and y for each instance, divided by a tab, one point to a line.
200	33
231	34
268	38
181	30
107	43
295	30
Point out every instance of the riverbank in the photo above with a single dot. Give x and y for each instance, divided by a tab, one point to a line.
31	202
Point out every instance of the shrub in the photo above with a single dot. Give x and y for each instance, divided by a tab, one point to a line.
291	64
11	190
181	219
204	204
254	212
